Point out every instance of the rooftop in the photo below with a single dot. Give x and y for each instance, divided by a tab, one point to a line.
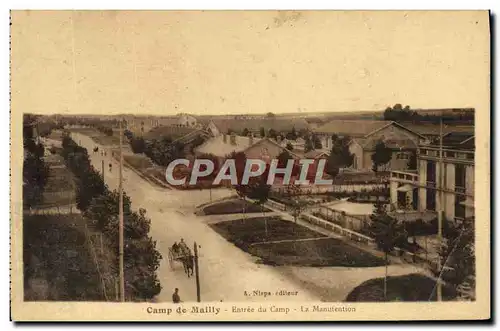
433	129
218	147
352	128
173	132
254	124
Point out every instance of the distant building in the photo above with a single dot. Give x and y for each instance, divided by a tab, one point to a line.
254	148
365	134
187	121
422	188
140	125
255	125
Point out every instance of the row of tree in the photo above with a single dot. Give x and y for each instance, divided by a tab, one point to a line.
161	151
35	171
105	129
164	151
101	205
398	113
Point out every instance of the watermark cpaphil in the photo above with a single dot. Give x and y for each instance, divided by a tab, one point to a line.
202	168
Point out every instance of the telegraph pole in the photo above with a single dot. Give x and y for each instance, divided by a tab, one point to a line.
120	230
197	273
102	168
440	214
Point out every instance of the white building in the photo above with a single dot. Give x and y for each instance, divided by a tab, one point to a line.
422	188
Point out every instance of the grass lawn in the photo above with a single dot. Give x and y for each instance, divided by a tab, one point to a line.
105	140
86	131
234	206
315	253
139	162
55	250
413	287
60	187
322	252
243	232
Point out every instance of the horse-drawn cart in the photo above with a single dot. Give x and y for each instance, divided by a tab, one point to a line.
179	256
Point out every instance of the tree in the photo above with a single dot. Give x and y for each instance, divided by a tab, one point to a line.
292	135
308	144
340	156
259	190
262	132
381	156
387	233
99	204
138	145
283	158
316	142
196	142
35	171
35	176
398	113
273	134
245	132
270	115
106	130
289	146
412	161
397	107
297	208
128	134
457	254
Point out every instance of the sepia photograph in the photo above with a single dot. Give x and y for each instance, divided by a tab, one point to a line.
250	165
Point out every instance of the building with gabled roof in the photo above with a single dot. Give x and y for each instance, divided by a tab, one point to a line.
364	136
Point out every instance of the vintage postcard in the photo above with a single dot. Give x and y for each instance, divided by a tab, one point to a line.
250	165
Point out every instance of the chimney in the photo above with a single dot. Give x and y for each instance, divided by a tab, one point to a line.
250	139
224	138
233	138
278	139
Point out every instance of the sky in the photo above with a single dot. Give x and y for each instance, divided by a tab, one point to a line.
164	63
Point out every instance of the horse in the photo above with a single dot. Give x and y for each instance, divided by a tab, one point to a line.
188	263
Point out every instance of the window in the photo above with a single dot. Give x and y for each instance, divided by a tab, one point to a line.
415	199
459	175
431	199
431	171
459	206
402	156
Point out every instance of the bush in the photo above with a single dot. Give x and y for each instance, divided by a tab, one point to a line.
413	287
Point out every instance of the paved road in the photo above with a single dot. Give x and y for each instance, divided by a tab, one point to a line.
226	272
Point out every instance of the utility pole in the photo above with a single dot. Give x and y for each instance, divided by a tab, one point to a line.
102	168
120	230
197	273
440	212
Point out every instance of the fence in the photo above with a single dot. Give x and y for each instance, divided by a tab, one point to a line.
370	242
324	189
352	235
276	205
351	222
